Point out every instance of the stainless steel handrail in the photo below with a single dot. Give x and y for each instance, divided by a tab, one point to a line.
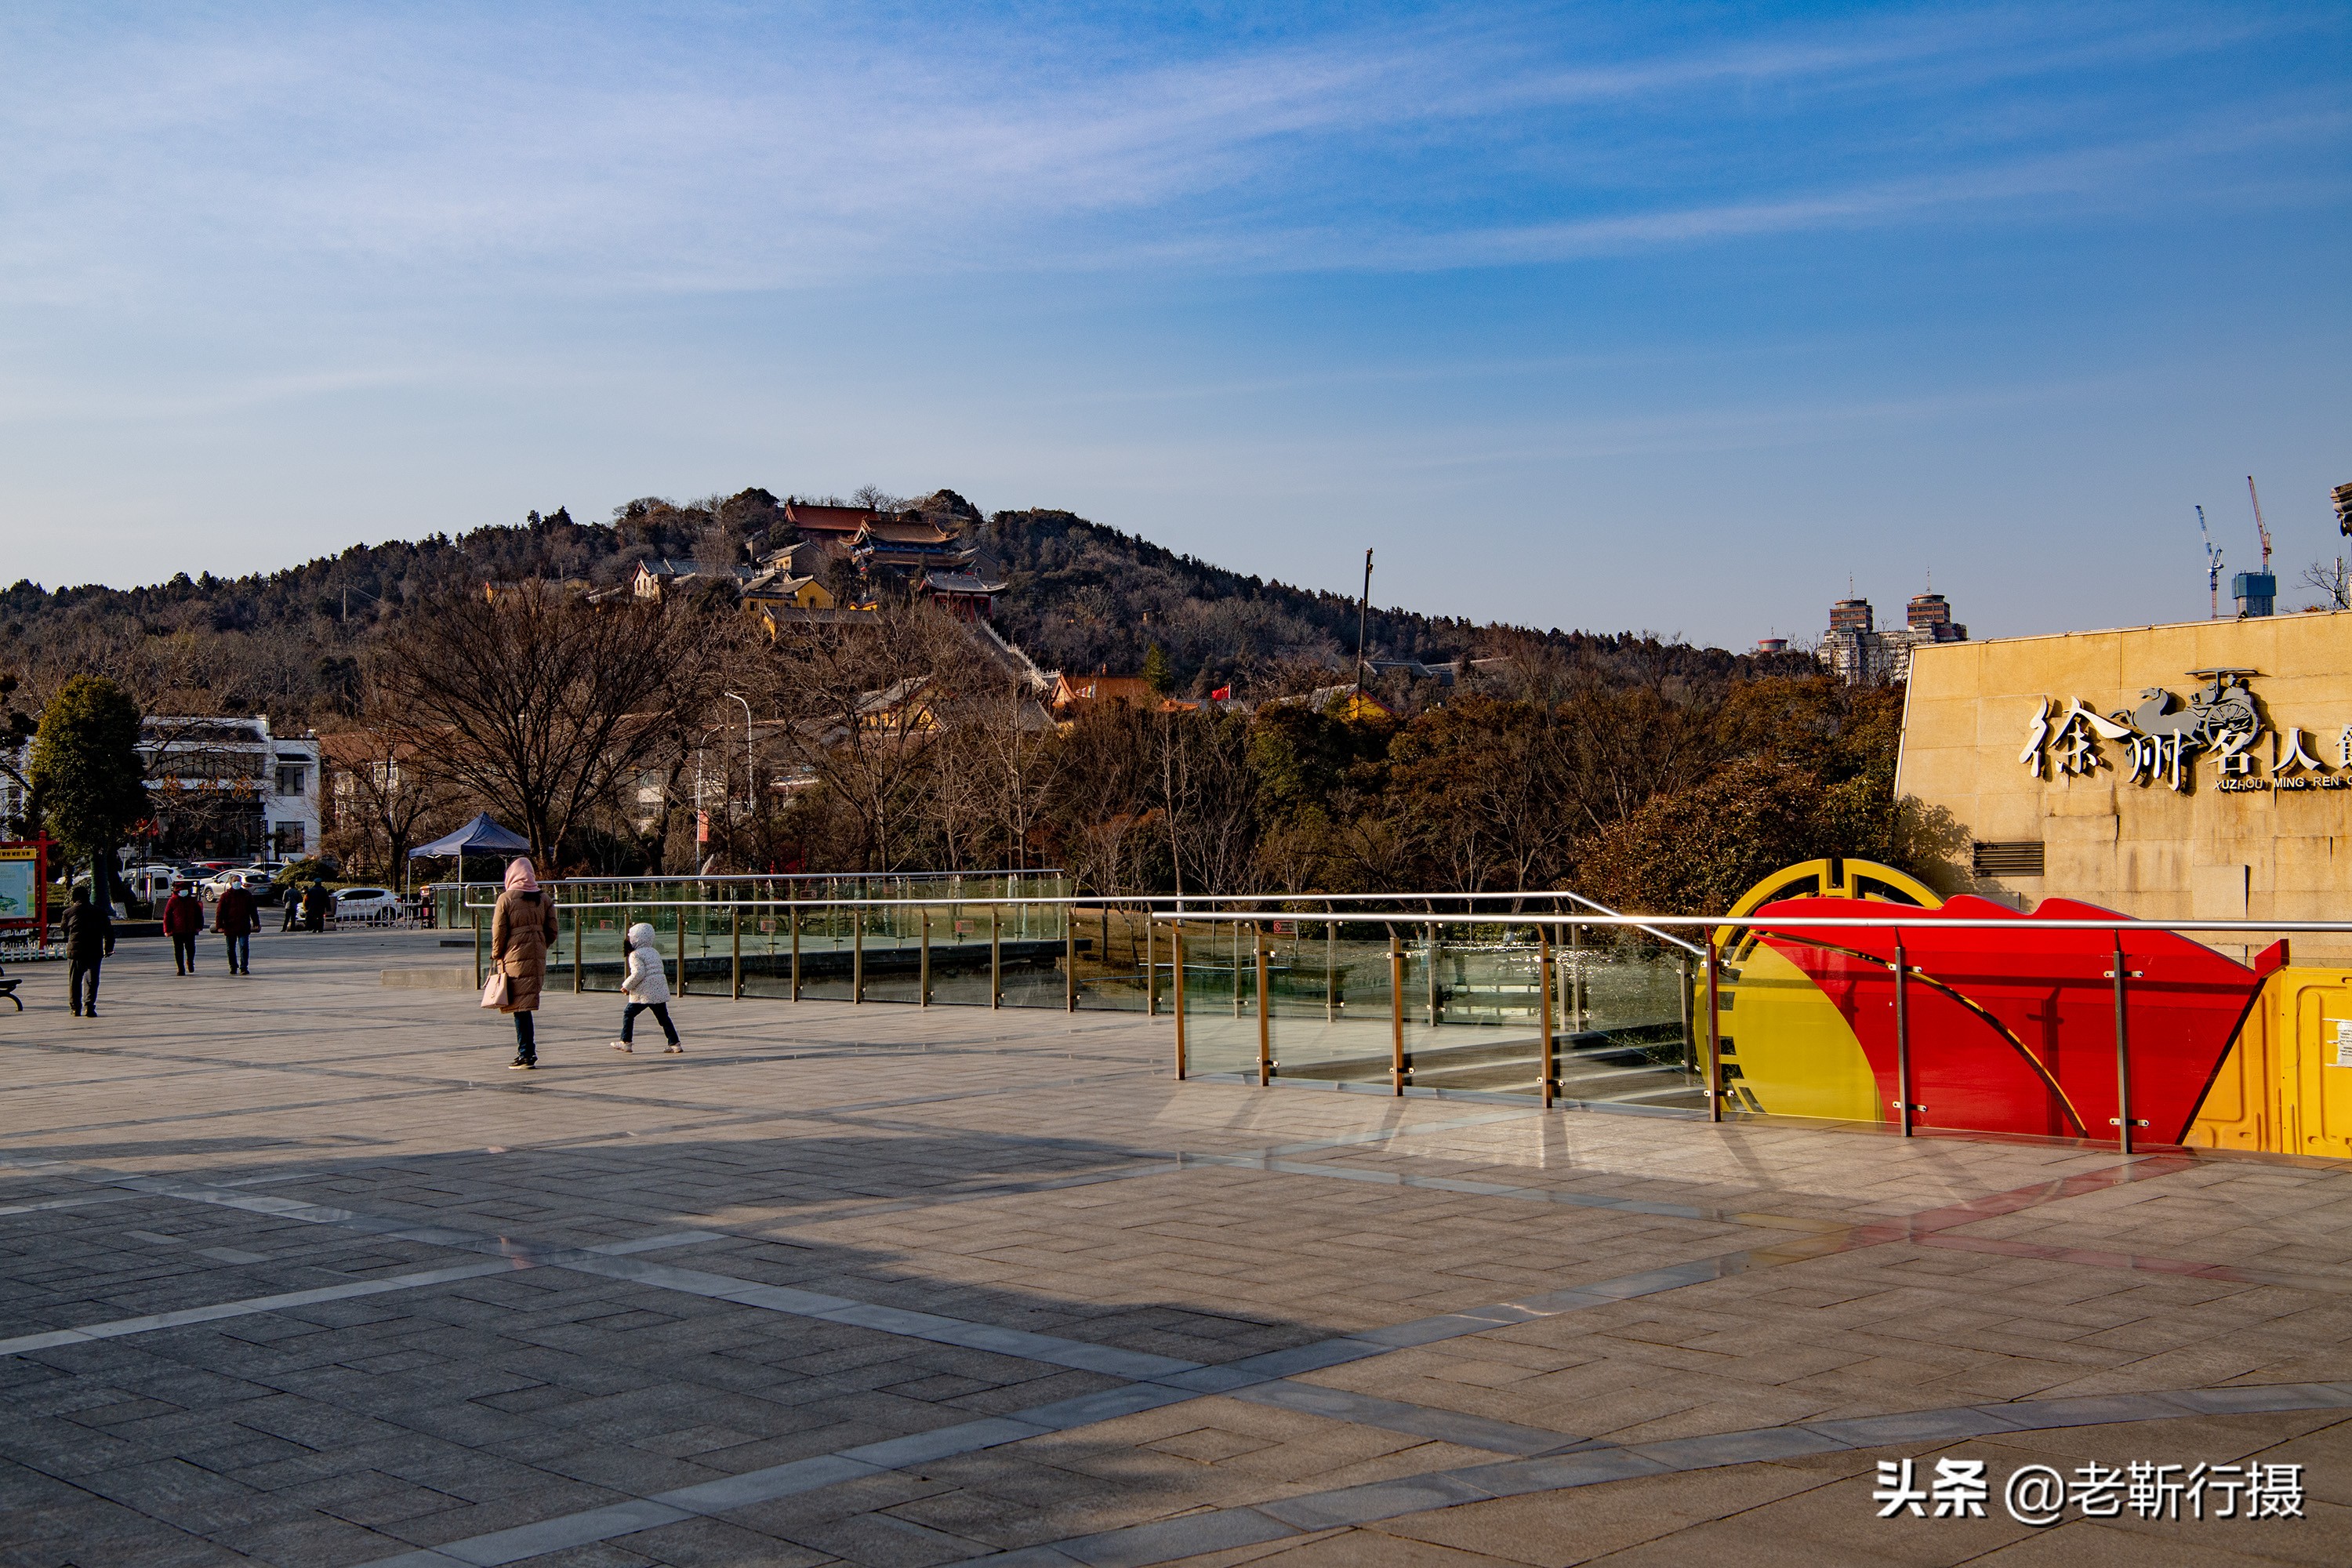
1926	918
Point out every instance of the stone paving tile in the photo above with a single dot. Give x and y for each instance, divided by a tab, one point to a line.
920	1161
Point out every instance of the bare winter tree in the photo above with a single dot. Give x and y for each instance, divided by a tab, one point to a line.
2332	578
1029	767
865	701
386	788
684	717
1102	805
1205	791
999	771
540	696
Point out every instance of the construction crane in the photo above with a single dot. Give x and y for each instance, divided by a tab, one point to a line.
2259	529
2213	566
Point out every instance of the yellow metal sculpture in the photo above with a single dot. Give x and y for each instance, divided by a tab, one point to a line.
1787	1050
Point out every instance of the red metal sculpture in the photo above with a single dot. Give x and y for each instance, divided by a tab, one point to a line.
2013	1025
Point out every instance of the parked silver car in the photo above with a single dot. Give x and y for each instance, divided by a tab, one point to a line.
377	904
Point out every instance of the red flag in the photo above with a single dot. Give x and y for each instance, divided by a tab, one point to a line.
1220	694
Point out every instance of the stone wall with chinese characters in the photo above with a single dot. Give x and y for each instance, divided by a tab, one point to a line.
2202	770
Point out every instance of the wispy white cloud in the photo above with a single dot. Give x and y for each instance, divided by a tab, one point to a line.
504	152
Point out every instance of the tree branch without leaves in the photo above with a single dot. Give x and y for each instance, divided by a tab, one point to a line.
541	696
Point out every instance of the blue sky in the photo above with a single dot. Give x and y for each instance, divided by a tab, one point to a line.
1613	316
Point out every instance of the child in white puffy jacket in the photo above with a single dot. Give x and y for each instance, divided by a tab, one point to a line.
645	987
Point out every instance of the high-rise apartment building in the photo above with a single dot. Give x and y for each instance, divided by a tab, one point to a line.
1862	655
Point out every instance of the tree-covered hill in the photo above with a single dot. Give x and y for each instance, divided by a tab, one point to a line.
1082	596
1079	595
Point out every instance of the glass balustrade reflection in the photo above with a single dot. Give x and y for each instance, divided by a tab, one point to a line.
1630	1024
1327	1000
1219	1000
1462	1001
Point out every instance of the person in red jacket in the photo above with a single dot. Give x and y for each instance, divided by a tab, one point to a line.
184	922
236	917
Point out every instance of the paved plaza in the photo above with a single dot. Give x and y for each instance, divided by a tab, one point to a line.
296	1272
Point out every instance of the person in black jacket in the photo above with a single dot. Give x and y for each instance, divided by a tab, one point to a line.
89	941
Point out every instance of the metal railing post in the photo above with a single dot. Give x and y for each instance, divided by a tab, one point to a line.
1576	984
857	952
1069	958
1176	968
2123	1122
681	947
1431	929
793	919
1683	985
575	951
1331	969
477	950
1544	1060
735	936
1264	1023
1399	1067
1233	950
926	985
1903	1092
995	956
1714	1035
1150	968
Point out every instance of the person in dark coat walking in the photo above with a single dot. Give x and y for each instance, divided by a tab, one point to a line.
316	902
238	917
184	922
523	928
89	941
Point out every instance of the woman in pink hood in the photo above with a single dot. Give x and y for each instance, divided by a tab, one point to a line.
521	929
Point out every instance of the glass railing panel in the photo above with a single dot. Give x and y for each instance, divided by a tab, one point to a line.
830	938
1032	936
1471	1013
894	945
767	944
1116	948
1628	1033
1787	1049
1327	998
700	962
960	947
1220	1000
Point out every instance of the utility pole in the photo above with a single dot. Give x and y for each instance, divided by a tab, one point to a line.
1363	609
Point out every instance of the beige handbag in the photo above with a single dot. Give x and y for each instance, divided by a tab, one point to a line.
494	989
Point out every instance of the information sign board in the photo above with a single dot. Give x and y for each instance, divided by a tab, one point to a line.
24	887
